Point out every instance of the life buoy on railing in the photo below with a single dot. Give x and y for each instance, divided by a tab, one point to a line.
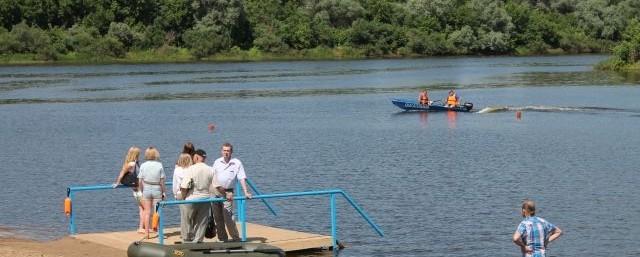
67	203
67	206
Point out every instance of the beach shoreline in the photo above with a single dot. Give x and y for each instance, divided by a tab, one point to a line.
61	247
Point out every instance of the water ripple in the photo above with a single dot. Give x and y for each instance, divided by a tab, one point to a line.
7	86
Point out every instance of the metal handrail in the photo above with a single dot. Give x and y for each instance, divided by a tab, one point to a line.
241	206
72	189
241	213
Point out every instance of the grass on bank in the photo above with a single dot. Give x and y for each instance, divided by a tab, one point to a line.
615	64
175	54
170	54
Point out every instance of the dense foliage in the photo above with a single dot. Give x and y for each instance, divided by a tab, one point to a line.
627	53
54	29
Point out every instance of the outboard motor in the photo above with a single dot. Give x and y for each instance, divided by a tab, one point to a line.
231	249
468	106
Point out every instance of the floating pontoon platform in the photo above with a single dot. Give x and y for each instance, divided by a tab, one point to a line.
287	240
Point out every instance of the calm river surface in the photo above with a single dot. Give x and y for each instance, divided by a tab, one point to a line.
438	184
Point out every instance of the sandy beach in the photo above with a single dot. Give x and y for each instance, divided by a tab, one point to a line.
64	247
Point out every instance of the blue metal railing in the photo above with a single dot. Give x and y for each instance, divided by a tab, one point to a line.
72	189
240	199
242	212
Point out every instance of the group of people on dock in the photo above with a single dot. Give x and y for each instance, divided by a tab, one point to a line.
192	179
452	99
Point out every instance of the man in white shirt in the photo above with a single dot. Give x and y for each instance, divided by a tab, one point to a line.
198	183
227	170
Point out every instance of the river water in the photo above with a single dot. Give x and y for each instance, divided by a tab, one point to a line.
438	184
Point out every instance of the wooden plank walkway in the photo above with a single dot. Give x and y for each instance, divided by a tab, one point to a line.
287	240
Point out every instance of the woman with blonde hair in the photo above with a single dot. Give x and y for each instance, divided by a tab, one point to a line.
128	176
151	183
182	164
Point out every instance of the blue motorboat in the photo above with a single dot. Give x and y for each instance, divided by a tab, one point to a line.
437	106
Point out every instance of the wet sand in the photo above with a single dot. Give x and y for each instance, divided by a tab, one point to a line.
64	247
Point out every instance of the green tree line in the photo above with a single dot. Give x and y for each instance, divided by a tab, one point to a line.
96	29
626	54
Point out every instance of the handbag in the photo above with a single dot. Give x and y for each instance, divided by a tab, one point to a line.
131	178
210	232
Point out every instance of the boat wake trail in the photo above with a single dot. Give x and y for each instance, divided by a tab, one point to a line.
544	108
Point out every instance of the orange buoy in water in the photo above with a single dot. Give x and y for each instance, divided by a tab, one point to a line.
67	206
518	115
154	221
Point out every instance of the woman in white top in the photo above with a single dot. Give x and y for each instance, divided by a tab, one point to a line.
129	173
183	163
151	183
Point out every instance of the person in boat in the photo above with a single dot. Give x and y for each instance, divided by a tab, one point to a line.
151	181
129	176
423	98
197	183
452	99
227	170
534	234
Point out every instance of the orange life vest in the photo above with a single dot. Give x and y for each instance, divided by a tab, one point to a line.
424	98
452	100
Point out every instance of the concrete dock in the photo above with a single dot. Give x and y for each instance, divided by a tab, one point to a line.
287	240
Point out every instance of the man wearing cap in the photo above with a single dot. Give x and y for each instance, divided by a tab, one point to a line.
198	183
227	171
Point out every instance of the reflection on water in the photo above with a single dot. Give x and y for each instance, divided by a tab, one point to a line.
25	84
82	74
451	119
582	78
631	77
284	76
424	119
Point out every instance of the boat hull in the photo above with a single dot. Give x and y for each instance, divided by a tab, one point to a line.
409	105
231	249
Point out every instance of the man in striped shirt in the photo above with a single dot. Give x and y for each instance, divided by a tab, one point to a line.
534	233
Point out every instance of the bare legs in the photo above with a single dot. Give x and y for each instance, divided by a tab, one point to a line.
141	225
147	203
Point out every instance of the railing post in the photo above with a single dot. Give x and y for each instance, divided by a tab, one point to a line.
72	223
160	224
334	236
243	220
241	213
